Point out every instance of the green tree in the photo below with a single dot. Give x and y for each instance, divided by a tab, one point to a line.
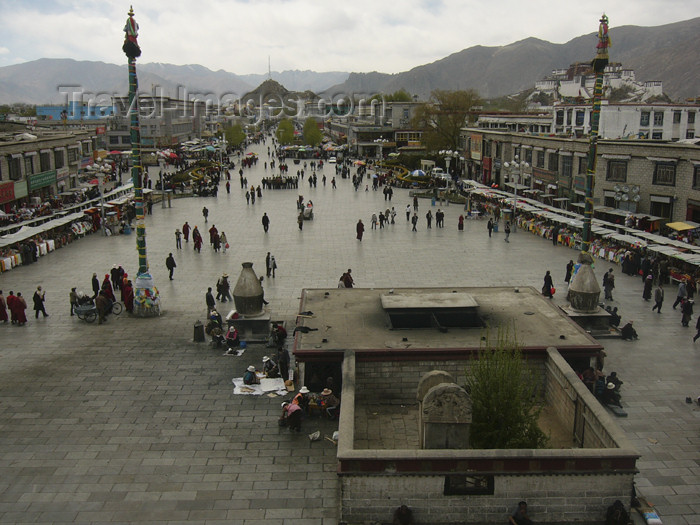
505	402
312	135
397	96
235	135
443	116
285	132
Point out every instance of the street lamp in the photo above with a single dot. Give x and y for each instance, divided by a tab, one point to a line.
515	169
380	143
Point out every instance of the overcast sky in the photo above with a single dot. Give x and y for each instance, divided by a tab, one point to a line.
321	35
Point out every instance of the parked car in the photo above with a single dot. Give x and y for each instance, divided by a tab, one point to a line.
332	160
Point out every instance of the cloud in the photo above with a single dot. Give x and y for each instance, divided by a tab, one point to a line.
363	35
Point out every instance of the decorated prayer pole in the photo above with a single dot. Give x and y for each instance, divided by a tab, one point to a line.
146	300
598	64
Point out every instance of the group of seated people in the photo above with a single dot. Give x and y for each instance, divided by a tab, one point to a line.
215	328
305	402
606	389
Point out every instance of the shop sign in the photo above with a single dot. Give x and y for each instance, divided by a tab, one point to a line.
475	146
21	189
545	175
7	192
100	130
40	180
62	173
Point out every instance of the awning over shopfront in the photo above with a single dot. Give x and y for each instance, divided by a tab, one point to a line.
680	226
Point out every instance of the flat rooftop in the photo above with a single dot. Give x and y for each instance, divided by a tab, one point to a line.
355	319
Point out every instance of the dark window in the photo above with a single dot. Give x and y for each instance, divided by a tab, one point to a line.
657	135
528	156
458	485
580	117
487	148
15	167
676	117
690	134
658	118
86	149
696	177
29	165
691	117
644	120
566	166
72	155
660	209
126	139
617	171
45	161
665	174
560	118
114	139
540	159
583	165
569	114
58	159
553	162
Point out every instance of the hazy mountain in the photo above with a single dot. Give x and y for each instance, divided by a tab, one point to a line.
198	79
669	53
296	80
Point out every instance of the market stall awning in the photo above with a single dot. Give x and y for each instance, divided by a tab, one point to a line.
680	226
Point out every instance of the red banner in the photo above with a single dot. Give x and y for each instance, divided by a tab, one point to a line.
7	192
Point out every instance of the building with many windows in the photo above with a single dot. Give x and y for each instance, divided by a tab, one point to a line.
36	165
658	178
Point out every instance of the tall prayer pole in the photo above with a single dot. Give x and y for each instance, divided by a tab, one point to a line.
146	300
599	63
584	289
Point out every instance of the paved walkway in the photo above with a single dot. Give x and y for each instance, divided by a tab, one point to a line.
131	421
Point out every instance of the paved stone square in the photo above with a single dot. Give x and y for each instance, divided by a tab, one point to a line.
133	422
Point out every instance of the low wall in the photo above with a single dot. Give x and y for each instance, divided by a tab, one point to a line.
550	499
560	485
565	391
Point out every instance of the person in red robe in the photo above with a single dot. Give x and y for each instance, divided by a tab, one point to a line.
20	305
11	298
128	292
107	287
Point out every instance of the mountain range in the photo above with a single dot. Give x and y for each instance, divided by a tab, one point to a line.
670	53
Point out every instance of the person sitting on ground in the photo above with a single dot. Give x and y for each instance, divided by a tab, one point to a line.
628	332
250	377
612	378
611	396
291	413
520	516
329	403
589	377
232	339
270	368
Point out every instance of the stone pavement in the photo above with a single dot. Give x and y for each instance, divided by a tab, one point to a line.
132	422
